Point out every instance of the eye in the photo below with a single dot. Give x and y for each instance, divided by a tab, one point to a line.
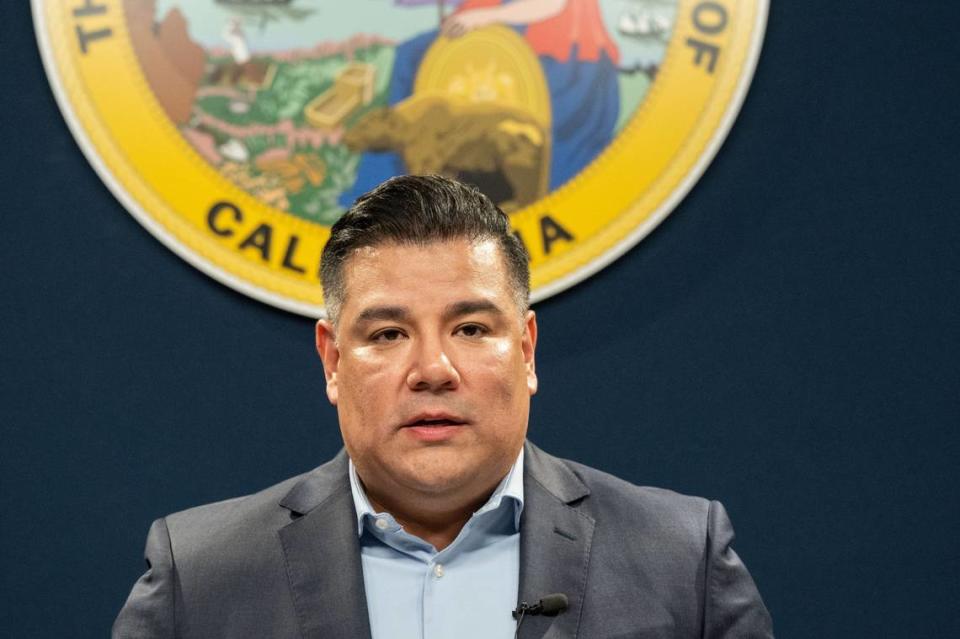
471	330
387	335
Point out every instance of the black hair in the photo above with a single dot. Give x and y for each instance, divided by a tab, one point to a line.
419	210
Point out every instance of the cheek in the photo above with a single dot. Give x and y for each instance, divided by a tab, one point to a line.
503	368
369	367
502	354
364	384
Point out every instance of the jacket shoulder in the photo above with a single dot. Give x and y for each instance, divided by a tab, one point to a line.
599	493
602	484
262	512
219	518
642	512
672	551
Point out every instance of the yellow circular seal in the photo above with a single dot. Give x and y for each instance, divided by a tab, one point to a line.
238	131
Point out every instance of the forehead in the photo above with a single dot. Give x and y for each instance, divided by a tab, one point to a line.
429	272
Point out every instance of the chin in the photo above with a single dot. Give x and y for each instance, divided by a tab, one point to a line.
439	482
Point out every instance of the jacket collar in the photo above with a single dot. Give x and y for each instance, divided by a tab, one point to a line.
322	555
322	552
555	542
318	486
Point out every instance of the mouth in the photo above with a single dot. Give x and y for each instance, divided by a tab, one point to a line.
433	427
434	421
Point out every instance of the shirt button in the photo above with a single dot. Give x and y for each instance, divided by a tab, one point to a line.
438	571
381	523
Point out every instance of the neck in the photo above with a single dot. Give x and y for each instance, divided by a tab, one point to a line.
437	528
437	521
436	516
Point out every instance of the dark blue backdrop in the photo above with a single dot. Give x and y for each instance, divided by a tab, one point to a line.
787	342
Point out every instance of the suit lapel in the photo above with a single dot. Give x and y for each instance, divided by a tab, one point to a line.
322	555
322	551
555	541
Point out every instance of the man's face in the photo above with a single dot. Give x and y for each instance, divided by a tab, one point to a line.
431	368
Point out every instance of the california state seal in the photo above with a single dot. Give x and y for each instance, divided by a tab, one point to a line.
238	131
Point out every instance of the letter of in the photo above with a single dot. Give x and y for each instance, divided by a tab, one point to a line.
702	48
288	255
260	240
89	9
551	232
85	37
215	212
718	25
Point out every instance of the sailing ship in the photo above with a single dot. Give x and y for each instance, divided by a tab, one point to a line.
643	24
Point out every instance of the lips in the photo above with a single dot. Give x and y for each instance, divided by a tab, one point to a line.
434	427
434	420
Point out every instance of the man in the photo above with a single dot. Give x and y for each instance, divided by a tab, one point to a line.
438	519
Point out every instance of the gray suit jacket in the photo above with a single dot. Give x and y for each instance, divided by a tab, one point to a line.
285	563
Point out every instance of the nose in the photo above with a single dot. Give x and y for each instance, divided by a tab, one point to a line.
432	369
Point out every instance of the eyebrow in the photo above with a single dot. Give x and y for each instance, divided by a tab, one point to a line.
383	313
469	307
402	313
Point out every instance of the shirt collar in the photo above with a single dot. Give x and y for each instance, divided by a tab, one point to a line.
511	486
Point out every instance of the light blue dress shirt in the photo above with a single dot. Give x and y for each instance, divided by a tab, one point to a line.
465	591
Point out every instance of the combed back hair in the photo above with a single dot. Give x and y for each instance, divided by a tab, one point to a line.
418	210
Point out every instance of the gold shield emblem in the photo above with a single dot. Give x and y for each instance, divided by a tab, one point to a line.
238	131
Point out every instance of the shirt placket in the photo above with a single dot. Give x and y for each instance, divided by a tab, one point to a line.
431	598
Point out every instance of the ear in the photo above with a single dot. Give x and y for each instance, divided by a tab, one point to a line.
330	355
528	343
